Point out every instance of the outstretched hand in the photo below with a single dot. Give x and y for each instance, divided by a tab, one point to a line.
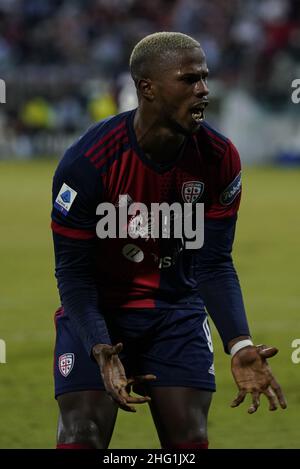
114	378
253	374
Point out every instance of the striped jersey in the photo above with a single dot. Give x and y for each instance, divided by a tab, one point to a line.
106	164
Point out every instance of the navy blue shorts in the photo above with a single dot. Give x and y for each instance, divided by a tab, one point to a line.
174	345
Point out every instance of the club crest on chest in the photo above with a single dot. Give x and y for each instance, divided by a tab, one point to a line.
192	191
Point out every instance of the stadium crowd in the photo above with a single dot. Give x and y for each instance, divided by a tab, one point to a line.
65	62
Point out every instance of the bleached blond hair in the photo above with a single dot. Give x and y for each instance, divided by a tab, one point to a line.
154	48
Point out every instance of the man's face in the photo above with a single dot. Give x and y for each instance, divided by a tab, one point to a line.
181	91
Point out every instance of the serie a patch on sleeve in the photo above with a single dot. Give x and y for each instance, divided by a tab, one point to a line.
231	191
65	199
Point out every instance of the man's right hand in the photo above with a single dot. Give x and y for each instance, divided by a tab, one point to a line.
114	378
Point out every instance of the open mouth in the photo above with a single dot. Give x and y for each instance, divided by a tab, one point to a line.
198	112
198	116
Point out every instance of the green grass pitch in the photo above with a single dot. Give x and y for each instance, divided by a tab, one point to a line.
266	255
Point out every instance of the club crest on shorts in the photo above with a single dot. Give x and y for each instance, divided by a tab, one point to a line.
192	191
66	363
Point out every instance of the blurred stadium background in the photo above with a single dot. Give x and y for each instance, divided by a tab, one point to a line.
65	66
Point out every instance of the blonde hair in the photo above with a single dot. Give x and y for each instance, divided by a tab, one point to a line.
155	47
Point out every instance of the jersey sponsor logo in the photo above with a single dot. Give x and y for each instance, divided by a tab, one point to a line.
232	191
66	363
166	262
192	191
133	253
65	199
163	262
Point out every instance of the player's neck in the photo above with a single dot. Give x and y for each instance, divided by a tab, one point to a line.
157	142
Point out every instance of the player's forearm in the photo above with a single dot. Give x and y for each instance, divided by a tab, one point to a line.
81	305
218	281
78	291
224	302
237	339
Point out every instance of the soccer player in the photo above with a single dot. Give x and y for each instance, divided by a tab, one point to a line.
133	311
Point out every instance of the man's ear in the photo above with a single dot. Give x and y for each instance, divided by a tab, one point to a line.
145	88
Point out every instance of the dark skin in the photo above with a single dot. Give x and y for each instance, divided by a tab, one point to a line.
164	118
253	375
249	367
167	100
114	377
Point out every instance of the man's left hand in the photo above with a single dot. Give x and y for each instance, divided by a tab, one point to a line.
253	374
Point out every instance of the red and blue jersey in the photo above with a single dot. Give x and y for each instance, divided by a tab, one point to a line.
94	275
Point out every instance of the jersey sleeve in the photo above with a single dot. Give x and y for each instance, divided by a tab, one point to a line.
218	280
227	187
76	193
